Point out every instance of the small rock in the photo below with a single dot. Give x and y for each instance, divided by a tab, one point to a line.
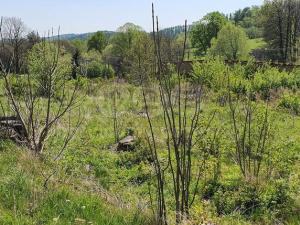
127	144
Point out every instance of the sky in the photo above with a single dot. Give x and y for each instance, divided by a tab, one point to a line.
81	16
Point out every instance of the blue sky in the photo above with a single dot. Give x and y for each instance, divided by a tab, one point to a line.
79	16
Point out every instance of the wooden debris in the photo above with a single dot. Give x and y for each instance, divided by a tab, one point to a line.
11	128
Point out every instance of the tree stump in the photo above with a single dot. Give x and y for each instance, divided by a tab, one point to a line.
127	144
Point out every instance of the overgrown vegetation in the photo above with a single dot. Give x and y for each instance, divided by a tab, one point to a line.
116	130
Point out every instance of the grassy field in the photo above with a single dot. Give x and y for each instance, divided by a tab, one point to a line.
256	43
94	184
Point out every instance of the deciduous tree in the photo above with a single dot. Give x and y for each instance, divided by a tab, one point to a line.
98	41
121	47
280	20
205	30
231	43
14	35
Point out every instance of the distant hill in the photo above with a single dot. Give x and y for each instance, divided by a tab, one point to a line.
82	36
174	31
170	32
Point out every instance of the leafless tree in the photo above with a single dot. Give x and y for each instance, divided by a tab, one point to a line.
251	131
181	123
14	34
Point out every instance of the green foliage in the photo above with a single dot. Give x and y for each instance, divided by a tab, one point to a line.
214	74
127	27
18	85
210	74
250	199
81	45
268	79
123	40
250	79
128	47
95	69
91	56
205	30
131	159
41	59
275	197
296	77
243	198
290	102
140	58
82	83
278	19
173	32
248	19
231	43
97	41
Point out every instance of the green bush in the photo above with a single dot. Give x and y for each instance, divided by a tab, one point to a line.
242	197
96	69
250	69
275	197
270	78
108	72
130	159
291	103
211	74
82	83
41	60
247	198
239	85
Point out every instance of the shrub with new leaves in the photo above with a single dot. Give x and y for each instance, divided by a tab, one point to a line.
41	60
96	69
291	103
211	74
46	95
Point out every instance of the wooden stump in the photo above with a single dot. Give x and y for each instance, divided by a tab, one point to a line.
127	144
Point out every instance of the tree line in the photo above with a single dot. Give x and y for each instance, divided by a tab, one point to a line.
215	35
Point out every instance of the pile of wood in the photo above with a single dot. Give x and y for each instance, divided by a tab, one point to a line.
11	128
